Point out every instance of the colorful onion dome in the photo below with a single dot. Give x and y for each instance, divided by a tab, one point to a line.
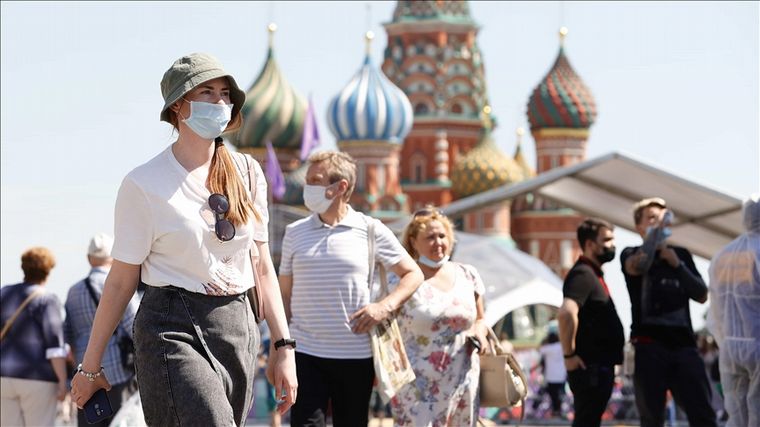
484	168
561	100
519	158
370	108
273	110
294	182
455	11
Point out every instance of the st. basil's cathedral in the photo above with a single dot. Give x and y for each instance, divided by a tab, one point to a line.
419	125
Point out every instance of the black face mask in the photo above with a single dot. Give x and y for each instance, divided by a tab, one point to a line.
607	255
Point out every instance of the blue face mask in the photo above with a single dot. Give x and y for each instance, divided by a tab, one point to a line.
433	264
208	120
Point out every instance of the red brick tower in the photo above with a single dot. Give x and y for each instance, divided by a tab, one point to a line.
433	56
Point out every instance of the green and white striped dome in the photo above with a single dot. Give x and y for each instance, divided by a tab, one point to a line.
273	110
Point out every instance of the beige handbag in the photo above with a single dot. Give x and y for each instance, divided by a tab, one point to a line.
392	367
502	382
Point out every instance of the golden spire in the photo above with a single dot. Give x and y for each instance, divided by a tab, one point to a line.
271	28
562	35
520	132
368	38
486	117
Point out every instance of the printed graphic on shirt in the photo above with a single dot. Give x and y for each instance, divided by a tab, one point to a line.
226	275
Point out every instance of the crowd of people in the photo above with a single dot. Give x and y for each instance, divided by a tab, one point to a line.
191	243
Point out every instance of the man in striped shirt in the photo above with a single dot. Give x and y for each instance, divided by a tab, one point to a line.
324	280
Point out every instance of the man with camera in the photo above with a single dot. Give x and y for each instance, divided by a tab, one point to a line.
81	303
661	279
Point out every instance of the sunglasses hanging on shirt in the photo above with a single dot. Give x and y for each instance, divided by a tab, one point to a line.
224	229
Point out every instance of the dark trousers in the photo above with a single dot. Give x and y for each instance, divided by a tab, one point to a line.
118	394
680	370
556	393
591	388
346	383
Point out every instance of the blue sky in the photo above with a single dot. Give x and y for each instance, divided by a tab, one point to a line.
676	85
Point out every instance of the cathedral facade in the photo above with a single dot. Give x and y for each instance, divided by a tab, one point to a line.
419	125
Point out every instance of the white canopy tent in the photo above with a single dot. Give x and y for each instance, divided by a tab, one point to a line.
608	186
604	187
512	278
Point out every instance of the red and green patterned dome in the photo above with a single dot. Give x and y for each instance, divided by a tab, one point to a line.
561	100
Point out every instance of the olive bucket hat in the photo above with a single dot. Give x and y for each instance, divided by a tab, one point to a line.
190	71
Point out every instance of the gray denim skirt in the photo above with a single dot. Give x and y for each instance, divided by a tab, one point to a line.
196	357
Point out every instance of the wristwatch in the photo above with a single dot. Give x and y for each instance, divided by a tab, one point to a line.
285	341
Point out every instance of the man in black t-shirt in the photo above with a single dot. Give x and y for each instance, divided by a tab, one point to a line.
589	327
661	280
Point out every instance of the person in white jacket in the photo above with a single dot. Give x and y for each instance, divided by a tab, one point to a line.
734	319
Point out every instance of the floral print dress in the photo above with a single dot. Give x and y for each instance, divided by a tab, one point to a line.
435	324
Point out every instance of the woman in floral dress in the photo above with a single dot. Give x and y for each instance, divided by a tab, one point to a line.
436	323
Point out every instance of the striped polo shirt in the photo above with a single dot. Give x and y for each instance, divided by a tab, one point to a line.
329	266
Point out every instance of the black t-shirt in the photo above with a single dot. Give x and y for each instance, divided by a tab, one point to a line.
599	338
659	303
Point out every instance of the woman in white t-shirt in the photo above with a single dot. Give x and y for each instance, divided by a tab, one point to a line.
187	226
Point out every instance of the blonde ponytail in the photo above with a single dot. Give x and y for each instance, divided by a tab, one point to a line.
223	178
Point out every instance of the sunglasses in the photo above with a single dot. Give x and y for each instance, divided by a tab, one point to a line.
426	212
224	229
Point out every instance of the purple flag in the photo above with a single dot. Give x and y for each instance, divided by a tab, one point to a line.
274	173
310	139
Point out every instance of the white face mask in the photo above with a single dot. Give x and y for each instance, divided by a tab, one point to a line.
314	198
433	264
208	120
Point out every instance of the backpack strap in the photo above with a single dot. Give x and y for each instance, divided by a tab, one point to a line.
96	300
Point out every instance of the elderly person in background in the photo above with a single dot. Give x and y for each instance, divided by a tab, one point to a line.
81	303
32	352
734	319
324	276
438	324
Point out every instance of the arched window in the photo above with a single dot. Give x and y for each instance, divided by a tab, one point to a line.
417	168
421	108
456	109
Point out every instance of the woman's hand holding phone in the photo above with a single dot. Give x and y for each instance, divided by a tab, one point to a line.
82	388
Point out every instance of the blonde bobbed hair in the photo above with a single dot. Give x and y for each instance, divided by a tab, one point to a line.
419	223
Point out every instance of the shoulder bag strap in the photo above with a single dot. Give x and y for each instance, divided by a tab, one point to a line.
18	311
371	250
372	263
88	285
91	291
259	311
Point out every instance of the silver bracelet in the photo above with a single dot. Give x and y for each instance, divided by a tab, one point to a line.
89	375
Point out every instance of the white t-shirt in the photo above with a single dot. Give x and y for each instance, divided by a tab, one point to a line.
554	367
163	222
330	268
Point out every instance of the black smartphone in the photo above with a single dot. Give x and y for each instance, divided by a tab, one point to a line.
474	342
98	408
